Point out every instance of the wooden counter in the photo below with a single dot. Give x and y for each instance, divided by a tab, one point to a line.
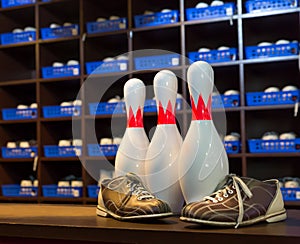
41	223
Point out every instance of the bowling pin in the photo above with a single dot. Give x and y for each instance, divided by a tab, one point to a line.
161	166
203	159
133	148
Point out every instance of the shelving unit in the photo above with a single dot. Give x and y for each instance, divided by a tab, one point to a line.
21	82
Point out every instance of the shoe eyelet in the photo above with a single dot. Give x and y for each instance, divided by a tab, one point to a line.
233	187
230	191
225	195
220	199
138	198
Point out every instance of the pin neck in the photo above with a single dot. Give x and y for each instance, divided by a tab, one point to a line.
166	117
201	111
135	121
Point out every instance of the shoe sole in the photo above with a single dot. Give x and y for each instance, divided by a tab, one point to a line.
106	213
271	218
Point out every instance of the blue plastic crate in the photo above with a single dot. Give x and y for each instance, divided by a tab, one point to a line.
278	50
214	56
64	151
61	191
150	105
105	26
14	190
272	98
273	146
19	114
13	3
107	108
232	147
61	111
228	101
19	152
101	67
157	62
57	72
290	194
11	38
59	32
95	150
156	19
227	9
256	6
93	191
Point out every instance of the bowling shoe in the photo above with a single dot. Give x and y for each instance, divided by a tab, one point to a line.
126	198
241	201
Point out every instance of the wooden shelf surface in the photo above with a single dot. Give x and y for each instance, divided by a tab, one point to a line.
80	223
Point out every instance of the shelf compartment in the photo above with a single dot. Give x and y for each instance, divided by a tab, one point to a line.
61	191
157	62
13	38
102	67
15	190
93	191
62	151
14	3
278	50
272	98
59	32
19	114
257	6
225	101
156	19
106	26
19	152
95	150
290	194
61	111
227	9
214	56
232	147
57	72
273	146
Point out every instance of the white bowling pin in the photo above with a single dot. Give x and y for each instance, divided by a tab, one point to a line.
133	148
161	166
203	159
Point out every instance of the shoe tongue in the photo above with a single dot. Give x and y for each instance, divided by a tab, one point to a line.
133	177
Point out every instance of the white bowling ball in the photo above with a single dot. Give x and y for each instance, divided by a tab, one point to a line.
54	25
261	44
222	48
291	184
26	183
282	41
272	89
57	64
203	49
33	105
24	144
290	88
36	183
64	143
100	19
231	92
22	106
146	12
216	3
29	28
108	59
201	5
270	136
77	142
63	183
114	17
17	30
76	183
66	104
11	144
73	62
122	57
117	140
287	136
106	141
166	10
67	24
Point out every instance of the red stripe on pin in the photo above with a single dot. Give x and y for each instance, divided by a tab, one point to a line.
201	112
167	117
135	121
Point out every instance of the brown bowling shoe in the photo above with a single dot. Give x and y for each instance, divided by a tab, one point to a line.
126	198
242	201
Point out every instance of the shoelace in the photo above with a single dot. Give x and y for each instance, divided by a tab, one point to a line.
237	184
139	190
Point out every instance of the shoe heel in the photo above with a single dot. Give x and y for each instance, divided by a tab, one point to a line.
277	218
101	212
